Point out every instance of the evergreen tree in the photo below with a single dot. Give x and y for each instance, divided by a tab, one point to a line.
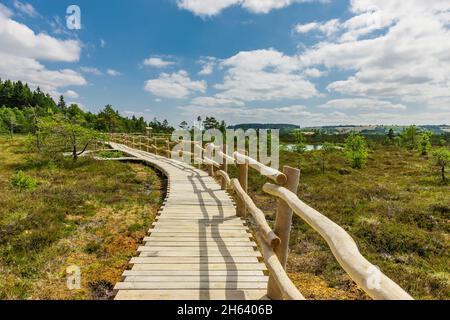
62	104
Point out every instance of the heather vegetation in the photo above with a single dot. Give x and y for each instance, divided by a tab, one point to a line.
393	199
55	213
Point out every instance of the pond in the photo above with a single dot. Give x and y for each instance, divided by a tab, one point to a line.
309	147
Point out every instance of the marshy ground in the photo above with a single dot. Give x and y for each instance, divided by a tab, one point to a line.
92	214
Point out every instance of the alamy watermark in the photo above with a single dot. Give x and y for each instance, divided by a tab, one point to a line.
374	278
73	277
262	146
73	18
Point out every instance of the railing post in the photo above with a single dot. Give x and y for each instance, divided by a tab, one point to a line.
241	208
155	146
168	149
283	223
224	166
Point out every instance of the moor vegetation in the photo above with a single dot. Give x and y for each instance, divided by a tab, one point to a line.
397	208
58	213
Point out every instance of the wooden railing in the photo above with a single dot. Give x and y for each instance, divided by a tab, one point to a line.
274	243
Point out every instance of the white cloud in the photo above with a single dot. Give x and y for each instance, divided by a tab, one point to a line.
5	11
158	62
393	50
21	48
362	104
91	70
102	43
263	75
25	8
214	7
299	115
296	114
328	28
32	72
71	94
208	65
113	73
213	101
18	39
177	85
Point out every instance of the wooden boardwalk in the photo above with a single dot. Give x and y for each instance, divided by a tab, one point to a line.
198	248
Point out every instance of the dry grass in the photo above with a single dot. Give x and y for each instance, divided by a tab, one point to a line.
90	214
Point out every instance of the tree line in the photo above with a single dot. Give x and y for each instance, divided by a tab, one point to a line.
21	107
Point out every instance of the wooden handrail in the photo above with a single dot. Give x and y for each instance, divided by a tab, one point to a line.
269	172
269	236
211	162
366	275
225	177
285	284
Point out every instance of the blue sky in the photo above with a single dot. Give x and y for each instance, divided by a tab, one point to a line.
301	62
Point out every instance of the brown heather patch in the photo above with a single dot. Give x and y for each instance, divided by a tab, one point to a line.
92	214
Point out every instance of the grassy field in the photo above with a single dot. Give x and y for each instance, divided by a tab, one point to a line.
94	215
396	209
90	214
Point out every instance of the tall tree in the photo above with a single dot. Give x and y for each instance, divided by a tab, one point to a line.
108	119
409	137
59	135
62	104
9	119
441	158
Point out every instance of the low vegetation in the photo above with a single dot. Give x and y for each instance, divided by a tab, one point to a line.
59	213
396	208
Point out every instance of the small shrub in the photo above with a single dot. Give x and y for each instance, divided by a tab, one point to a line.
441	158
356	150
424	143
22	181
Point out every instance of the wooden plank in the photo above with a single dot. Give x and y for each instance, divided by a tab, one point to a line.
203	266
127	273
240	233
184	260
198	229
191	295
189	285
196	278
202	255
196	242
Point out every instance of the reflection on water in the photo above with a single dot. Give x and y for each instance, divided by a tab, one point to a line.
309	147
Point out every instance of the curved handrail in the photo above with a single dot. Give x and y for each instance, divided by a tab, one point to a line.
269	172
366	275
269	236
288	289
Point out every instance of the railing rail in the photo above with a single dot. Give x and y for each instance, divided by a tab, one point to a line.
274	242
366	275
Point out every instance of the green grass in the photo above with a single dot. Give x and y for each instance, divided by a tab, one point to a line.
396	209
90	213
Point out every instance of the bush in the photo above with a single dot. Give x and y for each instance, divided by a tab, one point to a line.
356	150
22	181
424	143
441	158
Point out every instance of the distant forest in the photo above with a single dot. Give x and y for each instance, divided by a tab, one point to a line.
20	107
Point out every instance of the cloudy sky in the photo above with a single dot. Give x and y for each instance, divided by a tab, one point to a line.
306	62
